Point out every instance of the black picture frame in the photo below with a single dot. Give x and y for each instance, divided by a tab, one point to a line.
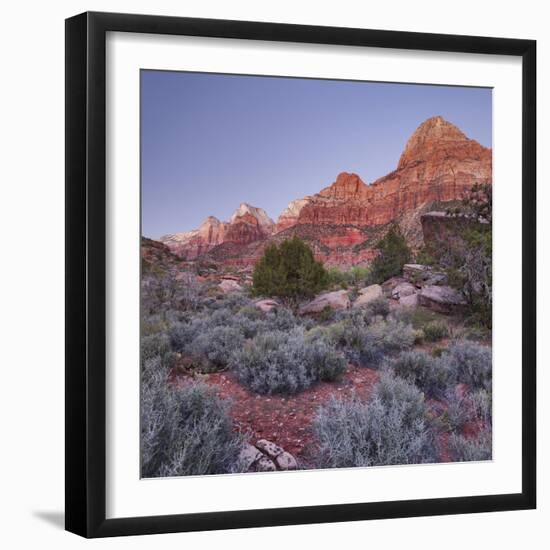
86	269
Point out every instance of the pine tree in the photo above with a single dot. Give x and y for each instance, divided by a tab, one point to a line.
289	272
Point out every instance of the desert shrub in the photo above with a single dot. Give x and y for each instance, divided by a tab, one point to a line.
435	330
476	332
387	337
464	407
378	306
154	344
418	317
328	363
216	345
337	277
393	254
289	271
390	428
423	370
281	319
359	275
236	301
182	334
481	402
285	362
327	313
353	316
185	431
251	312
458	412
466	449
152	324
367	344
469	363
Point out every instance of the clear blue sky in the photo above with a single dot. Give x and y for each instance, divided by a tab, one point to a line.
210	142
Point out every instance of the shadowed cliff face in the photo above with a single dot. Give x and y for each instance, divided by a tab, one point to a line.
437	165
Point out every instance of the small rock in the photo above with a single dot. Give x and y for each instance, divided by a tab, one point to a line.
266	305
286	461
229	285
269	448
265	464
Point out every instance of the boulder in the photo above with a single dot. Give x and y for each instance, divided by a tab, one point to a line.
229	285
269	448
390	284
409	301
368	294
335	300
266	305
248	456
402	290
265	464
286	461
442	299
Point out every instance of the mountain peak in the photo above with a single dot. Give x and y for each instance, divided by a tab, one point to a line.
432	133
347	185
211	220
259	213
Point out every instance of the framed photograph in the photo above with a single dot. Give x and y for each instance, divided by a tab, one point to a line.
300	274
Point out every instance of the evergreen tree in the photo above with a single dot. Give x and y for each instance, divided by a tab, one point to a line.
393	254
289	272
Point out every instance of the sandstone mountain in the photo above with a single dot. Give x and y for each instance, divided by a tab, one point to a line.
247	224
343	221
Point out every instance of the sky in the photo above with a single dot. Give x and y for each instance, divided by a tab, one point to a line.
210	142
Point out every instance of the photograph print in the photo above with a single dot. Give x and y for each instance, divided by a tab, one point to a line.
316	274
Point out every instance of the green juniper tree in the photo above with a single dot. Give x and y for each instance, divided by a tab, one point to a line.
289	272
393	254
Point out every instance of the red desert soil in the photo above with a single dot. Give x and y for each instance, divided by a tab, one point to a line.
286	420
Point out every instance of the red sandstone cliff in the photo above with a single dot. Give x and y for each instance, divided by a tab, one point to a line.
438	164
247	224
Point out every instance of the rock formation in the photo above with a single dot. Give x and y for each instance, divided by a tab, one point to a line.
247	224
438	164
343	222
